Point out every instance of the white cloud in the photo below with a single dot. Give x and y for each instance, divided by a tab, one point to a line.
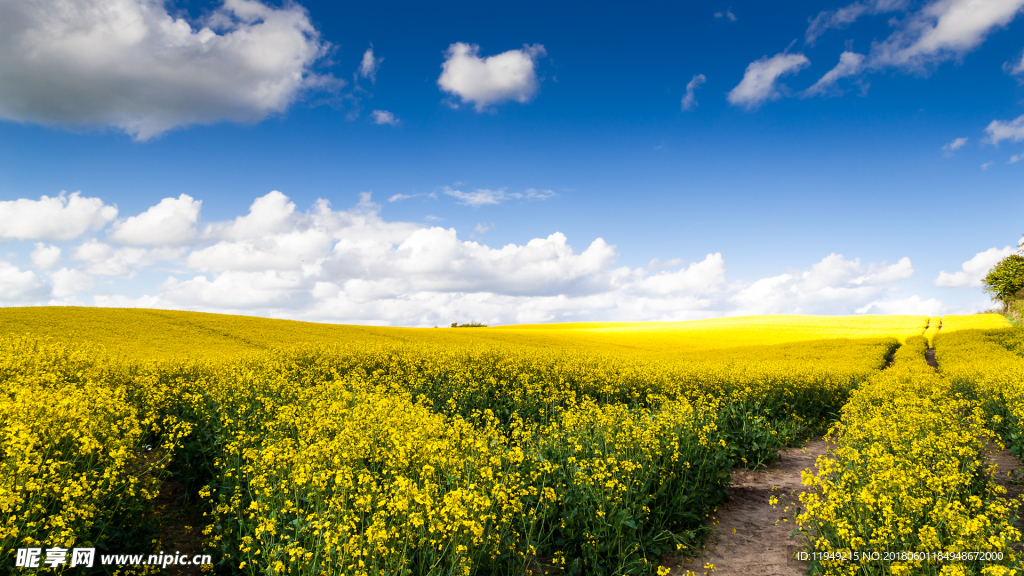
61	218
883	274
384	117
727	14
760	81
1016	158
534	194
481	228
843	17
102	259
850	64
119	301
236	291
478	197
400	197
833	286
432	277
285	251
511	75
369	65
353	266
986	165
973	271
18	286
172	221
67	282
132	65
690	99
656	264
273	236
913	305
943	30
701	278
955	144
45	257
998	130
1015	68
484	197
269	214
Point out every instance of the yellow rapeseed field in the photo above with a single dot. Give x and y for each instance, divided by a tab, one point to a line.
595	449
165	334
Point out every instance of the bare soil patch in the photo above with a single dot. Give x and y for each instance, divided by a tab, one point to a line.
751	536
180	527
1009	475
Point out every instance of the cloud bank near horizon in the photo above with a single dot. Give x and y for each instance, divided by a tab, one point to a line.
353	266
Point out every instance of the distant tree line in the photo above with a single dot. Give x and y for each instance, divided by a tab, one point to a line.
471	324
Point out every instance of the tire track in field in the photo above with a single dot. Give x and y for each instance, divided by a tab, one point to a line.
751	536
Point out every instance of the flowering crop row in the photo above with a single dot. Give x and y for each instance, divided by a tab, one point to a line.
910	474
990	361
79	459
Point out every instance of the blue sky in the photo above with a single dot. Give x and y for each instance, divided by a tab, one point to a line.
514	164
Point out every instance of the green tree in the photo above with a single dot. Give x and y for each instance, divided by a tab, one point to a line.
1005	281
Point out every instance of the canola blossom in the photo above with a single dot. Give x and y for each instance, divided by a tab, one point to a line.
596	449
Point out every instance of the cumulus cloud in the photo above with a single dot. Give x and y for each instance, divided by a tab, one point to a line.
973	271
369	65
843	17
914	305
511	75
760	81
18	285
285	251
999	130
690	99
698	278
384	117
830	285
172	221
269	214
986	165
354	266
1016	158
131	65
61	218
234	290
955	144
875	274
68	282
102	259
45	256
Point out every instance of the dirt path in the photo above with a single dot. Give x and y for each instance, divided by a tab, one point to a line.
752	537
1009	476
180	527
